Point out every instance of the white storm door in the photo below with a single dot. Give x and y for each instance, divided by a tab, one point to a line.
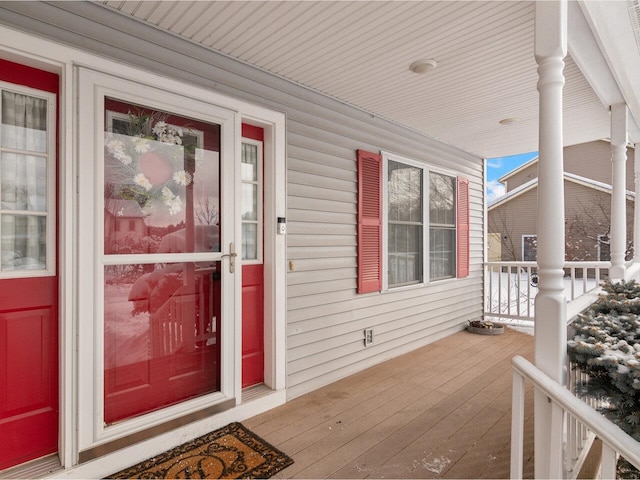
157	289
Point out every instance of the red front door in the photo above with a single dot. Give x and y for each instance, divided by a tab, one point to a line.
28	279
252	261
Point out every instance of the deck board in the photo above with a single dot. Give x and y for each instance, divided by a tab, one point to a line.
442	411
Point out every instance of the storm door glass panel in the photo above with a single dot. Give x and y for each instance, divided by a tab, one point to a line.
251	169
24	182
161	181
161	331
442	226
161	314
405	224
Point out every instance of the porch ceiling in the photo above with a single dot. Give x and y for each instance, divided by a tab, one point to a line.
360	52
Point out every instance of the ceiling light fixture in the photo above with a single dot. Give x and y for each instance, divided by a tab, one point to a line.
423	66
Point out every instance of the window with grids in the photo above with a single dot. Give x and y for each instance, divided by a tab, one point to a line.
27	181
442	226
405	224
529	248
413	211
413	223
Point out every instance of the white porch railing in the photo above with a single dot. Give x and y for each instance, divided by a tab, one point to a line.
510	287
571	410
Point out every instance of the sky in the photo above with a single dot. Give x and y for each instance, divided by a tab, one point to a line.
497	167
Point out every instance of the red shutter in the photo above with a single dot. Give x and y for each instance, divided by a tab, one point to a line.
463	226
369	222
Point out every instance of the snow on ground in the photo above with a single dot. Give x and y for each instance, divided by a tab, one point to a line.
508	291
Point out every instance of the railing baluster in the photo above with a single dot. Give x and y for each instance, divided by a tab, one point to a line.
501	296
529	292
615	442
518	290
517	426
509	290
574	444
500	290
609	461
556	444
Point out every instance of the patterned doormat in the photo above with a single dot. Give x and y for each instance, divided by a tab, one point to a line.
230	452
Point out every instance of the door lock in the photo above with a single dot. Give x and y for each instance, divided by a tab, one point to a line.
232	257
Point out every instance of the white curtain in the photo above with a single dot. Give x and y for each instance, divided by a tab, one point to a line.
23	187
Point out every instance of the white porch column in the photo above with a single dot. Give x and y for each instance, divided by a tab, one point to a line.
636	208
550	304
618	237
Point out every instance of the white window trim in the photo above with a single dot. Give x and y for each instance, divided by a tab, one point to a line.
260	183
51	158
426	169
386	157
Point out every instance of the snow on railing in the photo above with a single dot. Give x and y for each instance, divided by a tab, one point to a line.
511	287
584	419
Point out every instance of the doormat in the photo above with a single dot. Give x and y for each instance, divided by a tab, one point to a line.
230	452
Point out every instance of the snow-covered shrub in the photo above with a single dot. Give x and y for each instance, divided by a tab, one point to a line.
607	347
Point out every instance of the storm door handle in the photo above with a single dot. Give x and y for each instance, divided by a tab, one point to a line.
232	257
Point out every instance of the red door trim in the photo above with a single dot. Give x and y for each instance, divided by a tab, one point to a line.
253	298
29	77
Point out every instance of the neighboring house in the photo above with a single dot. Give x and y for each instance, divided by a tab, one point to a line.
512	218
122	219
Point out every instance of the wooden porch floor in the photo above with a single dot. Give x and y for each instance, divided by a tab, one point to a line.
442	411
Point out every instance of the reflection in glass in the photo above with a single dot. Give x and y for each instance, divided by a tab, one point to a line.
23	244
405	192
405	255
441	199
24	182
162	320
161	330
442	218
161	192
404	209
442	250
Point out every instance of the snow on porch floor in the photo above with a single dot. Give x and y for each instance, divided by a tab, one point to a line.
442	411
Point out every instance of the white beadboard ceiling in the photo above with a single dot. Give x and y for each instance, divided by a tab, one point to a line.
360	51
